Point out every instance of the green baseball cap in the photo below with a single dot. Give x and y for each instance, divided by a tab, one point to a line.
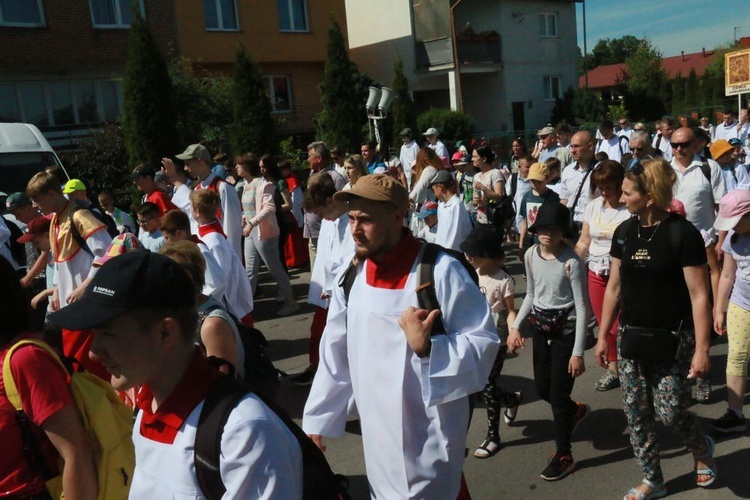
198	151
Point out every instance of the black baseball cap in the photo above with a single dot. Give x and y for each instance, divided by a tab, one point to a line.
129	281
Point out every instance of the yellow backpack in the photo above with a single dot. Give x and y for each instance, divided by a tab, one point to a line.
107	421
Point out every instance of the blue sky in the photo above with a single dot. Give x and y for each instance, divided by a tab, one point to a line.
671	25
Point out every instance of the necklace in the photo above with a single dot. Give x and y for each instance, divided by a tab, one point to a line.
652	234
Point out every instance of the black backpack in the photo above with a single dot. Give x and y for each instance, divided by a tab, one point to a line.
318	480
259	370
17	250
101	216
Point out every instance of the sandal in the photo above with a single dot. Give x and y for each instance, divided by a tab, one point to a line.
489	447
707	471
657	491
509	415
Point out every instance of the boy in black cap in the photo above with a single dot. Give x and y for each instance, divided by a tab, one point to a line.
556	305
483	250
141	308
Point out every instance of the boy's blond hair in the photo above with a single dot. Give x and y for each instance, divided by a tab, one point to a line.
205	202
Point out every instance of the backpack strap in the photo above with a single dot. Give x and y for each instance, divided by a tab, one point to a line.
76	233
619	143
347	279
426	294
220	401
706	169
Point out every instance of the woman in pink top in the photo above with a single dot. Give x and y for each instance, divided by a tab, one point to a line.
261	231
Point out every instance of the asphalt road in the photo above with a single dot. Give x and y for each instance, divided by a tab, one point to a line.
606	467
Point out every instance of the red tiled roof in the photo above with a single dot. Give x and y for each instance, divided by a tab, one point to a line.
605	76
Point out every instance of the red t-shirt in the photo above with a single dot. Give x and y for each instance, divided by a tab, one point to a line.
161	200
43	386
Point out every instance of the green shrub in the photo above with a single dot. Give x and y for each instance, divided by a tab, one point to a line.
452	126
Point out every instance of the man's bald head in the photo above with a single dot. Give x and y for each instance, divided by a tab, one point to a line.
683	134
582	146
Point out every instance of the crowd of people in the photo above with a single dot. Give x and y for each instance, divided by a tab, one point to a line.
645	236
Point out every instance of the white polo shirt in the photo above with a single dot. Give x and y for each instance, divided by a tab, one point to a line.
698	195
572	177
725	131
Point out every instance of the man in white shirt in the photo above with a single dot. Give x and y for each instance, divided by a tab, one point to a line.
615	146
661	141
436	144
728	128
625	128
576	178
700	193
408	154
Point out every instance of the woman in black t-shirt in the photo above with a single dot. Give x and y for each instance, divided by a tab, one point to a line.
659	273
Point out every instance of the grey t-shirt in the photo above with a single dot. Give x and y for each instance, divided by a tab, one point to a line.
556	284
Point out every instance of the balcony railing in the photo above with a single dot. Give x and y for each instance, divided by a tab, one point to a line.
472	50
299	120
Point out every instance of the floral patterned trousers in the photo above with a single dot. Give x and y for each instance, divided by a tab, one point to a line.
649	389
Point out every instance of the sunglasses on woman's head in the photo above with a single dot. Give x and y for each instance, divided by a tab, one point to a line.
637	169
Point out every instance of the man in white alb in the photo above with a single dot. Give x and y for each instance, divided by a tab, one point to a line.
411	388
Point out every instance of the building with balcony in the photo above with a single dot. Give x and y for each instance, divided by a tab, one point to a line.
61	63
502	61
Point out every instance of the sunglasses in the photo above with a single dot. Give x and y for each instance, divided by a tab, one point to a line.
683	145
637	169
638	148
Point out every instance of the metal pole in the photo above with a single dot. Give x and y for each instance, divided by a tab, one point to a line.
456	62
585	49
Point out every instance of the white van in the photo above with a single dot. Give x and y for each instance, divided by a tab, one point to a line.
23	152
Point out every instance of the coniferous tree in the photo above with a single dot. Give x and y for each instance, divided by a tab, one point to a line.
678	94
692	91
403	111
343	115
253	126
149	115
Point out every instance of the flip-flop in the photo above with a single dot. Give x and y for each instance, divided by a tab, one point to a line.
657	491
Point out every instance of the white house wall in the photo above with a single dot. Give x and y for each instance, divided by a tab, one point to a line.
379	29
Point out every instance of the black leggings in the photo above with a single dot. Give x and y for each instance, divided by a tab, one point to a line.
553	382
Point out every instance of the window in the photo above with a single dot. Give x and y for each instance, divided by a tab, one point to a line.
278	91
552	88
61	102
9	111
24	13
113	13
220	15
548	24
292	15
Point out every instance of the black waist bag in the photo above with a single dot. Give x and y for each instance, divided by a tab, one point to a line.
655	345
549	321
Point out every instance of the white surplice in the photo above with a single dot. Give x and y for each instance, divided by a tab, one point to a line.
414	412
335	249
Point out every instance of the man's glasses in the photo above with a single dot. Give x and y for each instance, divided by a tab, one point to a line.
637	148
622	124
143	222
676	145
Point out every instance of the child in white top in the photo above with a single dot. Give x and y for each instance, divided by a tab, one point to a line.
483	250
238	293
